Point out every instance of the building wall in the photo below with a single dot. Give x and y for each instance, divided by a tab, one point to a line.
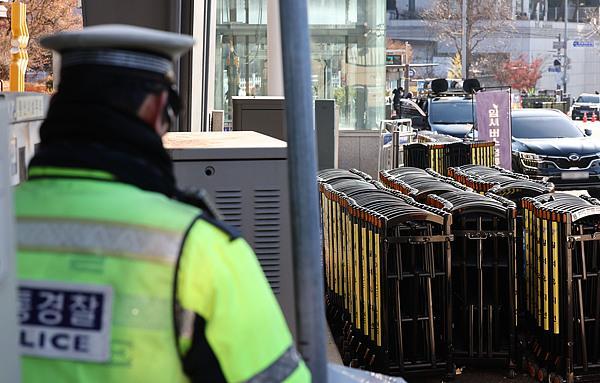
532	39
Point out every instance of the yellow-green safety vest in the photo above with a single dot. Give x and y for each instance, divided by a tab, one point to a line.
97	264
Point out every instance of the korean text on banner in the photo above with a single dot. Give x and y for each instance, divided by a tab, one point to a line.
493	123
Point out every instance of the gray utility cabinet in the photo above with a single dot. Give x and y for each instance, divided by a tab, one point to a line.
21	115
245	173
26	112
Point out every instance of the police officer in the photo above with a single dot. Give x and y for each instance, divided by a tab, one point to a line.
119	280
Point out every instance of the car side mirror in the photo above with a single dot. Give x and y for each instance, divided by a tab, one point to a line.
588	132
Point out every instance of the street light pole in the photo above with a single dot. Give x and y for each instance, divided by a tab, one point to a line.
464	40
566	60
302	173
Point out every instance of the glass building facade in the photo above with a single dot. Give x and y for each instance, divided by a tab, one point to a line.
348	56
547	10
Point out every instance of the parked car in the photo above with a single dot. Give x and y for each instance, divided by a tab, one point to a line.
585	103
547	144
451	115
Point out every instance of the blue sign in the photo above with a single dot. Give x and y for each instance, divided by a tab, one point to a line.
583	44
555	69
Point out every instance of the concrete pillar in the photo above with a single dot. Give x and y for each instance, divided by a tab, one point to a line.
203	65
526	8
370	77
9	355
274	59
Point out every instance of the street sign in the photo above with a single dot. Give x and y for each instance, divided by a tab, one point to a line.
583	44
558	45
555	69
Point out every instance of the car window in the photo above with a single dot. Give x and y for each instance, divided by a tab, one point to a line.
589	99
410	106
452	113
543	127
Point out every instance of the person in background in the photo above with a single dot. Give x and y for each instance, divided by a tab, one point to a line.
398	94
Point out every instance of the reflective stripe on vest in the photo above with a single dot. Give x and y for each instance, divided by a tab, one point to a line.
279	370
98	238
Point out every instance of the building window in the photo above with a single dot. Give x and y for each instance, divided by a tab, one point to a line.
348	58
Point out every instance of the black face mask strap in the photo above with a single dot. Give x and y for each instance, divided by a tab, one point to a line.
173	107
174	100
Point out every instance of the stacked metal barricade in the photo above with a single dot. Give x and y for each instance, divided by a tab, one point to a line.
562	287
514	187
399	305
419	183
483	263
387	274
441	153
559	267
424	136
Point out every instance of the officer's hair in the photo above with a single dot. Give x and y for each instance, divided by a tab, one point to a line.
123	89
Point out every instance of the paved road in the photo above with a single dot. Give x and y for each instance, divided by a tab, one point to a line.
595	126
479	376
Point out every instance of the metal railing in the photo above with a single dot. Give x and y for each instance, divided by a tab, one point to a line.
393	134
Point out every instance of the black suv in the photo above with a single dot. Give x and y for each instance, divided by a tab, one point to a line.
449	114
547	144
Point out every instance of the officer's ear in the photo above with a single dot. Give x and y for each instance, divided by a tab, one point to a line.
152	111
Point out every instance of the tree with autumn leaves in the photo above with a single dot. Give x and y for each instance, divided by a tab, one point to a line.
519	73
43	17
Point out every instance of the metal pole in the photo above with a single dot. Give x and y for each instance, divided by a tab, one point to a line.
464	40
302	169
406	80
395	147
566	63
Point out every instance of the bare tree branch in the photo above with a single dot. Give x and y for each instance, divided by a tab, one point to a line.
485	18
